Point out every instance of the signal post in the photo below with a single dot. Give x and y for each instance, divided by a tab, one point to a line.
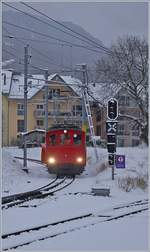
111	130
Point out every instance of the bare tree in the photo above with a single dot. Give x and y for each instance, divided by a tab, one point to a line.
127	66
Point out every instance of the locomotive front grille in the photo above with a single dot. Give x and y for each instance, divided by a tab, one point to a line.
66	169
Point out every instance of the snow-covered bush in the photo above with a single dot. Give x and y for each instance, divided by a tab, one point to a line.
128	183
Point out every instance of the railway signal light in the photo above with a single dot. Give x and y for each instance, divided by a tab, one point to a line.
111	139
112	109
111	127
111	147
111	159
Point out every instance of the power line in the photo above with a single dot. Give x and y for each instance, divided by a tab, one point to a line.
88	70
10	53
45	57
51	37
35	40
66	27
38	68
42	21
18	61
37	51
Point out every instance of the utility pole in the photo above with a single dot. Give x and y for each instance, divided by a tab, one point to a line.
46	99
25	104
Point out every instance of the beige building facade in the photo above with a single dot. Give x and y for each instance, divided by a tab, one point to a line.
5	119
64	106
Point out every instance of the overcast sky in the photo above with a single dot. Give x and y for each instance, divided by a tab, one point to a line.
106	21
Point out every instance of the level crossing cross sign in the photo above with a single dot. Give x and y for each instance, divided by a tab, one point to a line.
120	161
111	127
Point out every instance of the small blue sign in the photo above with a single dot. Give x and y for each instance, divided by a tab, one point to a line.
120	161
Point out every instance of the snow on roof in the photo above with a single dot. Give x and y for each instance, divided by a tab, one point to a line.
32	131
6	81
51	76
34	85
17	89
74	83
100	92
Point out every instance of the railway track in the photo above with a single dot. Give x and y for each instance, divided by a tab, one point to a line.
34	234
42	192
13	197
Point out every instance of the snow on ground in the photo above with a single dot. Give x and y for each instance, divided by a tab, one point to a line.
128	233
104	236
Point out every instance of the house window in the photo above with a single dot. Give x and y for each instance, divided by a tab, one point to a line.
20	109
77	110
40	123
121	129
135	142
121	112
124	100
98	116
20	125
120	142
53	93
40	106
98	130
135	130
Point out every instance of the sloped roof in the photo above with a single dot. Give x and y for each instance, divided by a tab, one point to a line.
73	83
17	88
100	92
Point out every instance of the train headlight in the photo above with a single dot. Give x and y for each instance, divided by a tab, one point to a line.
51	160
79	159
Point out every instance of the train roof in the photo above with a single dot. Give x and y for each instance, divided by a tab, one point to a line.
64	127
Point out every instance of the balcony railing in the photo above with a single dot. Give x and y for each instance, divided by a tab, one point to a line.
20	112
41	114
123	133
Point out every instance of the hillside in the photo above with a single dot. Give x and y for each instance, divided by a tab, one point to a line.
58	55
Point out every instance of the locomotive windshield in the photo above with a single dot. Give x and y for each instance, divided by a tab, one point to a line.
77	138
52	139
65	138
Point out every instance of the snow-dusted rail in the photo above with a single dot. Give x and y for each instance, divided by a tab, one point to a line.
50	230
36	194
18	196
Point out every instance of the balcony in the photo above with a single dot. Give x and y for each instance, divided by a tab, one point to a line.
20	112
58	114
39	113
135	133
123	133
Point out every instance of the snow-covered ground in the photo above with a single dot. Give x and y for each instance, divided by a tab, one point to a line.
129	233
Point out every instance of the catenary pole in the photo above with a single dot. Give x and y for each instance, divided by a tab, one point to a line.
86	109
25	104
46	99
84	118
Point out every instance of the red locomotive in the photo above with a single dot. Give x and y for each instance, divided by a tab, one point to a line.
64	150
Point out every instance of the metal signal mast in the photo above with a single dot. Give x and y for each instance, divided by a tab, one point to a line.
88	109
